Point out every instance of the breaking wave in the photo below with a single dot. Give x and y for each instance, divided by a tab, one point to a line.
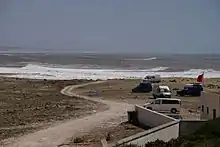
33	71
142	59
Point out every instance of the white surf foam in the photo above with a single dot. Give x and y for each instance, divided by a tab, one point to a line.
40	72
145	59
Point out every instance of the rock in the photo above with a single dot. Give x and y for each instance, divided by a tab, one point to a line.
78	140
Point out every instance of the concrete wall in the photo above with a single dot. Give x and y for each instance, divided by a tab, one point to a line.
151	118
210	101
161	124
187	127
161	132
164	128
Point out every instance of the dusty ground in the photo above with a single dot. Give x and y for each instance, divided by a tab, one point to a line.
120	90
110	133
58	133
27	105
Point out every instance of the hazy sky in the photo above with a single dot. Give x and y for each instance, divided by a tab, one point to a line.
112	25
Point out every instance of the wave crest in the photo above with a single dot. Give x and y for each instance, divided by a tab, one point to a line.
142	59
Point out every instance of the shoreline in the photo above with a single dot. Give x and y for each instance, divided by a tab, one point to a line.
10	75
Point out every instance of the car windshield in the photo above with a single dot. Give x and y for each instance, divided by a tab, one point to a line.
187	87
165	90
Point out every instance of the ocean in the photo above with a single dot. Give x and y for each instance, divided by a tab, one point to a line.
107	66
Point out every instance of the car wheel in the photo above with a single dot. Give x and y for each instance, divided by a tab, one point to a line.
173	110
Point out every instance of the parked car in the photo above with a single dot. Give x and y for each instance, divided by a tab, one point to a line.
190	90
152	79
166	105
161	91
143	88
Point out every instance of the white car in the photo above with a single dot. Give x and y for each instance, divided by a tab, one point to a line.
161	91
152	79
165	105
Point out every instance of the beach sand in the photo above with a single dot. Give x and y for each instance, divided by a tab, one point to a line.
121	90
27	105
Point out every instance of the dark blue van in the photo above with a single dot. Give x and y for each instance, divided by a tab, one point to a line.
191	90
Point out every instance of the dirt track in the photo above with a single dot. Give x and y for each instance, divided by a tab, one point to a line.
57	134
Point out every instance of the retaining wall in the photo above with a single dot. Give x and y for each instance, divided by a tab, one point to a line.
151	118
210	101
187	127
161	124
163	128
161	132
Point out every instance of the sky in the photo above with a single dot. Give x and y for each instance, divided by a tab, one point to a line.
112	26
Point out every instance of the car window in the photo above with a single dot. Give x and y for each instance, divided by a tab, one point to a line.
165	90
187	87
175	102
198	86
191	88
170	102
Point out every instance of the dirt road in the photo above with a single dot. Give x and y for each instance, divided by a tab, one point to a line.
57	134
